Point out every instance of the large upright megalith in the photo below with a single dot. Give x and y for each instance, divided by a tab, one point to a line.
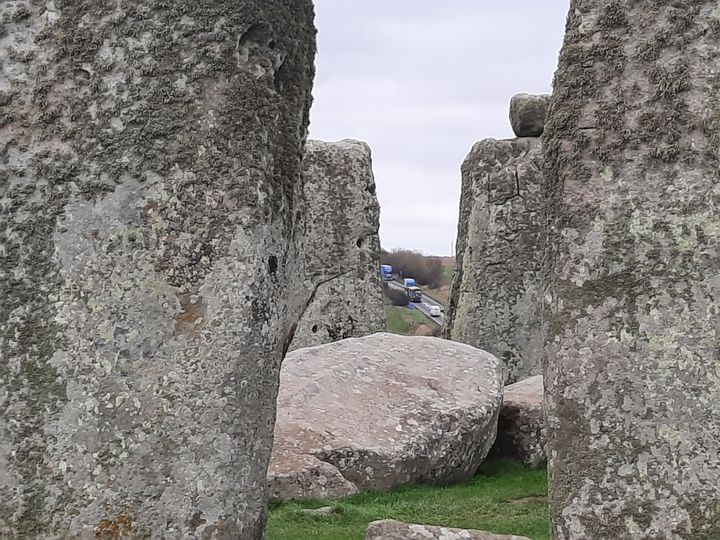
342	246
633	371
150	183
495	297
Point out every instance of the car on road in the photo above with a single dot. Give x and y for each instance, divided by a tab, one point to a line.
435	311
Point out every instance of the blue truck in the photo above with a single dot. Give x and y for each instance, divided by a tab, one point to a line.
386	272
413	291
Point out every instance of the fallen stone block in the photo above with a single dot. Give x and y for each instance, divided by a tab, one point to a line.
388	529
382	411
521	426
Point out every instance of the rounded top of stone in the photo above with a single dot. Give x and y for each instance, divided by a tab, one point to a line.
347	145
491	150
527	114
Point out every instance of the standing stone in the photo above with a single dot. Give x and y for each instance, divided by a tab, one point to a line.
633	374
527	114
342	246
495	296
149	182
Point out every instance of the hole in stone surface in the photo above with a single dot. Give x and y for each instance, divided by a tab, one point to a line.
197	520
359	242
282	75
253	46
82	74
273	264
257	34
314	328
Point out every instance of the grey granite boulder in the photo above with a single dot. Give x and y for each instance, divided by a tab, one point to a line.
527	114
149	260
521	426
388	529
495	297
382	411
633	291
342	246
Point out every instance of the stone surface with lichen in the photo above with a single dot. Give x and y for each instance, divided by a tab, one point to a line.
389	529
521	425
527	114
632	283
381	411
342	246
495	294
150	189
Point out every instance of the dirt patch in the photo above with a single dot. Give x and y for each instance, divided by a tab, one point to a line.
441	294
422	330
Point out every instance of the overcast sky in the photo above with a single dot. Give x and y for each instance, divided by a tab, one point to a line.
420	81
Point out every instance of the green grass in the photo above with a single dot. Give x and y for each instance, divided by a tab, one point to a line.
396	323
416	315
487	502
401	320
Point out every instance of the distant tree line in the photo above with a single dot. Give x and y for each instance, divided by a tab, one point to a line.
427	271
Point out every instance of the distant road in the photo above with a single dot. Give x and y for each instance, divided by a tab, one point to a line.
423	306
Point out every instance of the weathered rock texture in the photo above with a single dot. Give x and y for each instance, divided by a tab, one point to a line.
527	114
521	426
495	296
342	246
380	411
150	162
633	379
388	529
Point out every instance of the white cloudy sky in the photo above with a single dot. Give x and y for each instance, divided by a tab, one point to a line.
421	81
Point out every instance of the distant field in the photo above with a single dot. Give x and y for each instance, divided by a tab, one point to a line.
505	498
442	293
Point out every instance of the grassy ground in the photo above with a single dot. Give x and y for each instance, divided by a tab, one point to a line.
505	498
401	320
